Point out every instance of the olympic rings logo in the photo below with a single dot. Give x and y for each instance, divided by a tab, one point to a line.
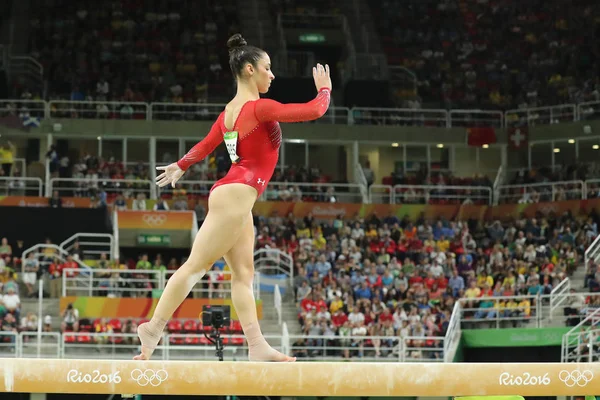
149	377
576	377
154	219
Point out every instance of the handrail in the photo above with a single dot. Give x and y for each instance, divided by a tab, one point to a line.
556	295
277	258
70	241
497	183
428	195
454	332
23	179
451	118
361	179
61	254
119	184
63	343
277	303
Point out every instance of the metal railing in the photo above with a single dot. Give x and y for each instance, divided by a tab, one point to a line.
499	314
567	308
117	282
139	283
588	110
85	187
40	345
361	179
93	245
592	253
30	69
453	334
428	194
103	345
381	194
399	116
277	303
18	107
557	296
49	252
19	186
357	115
473	118
542	192
580	344
10	345
541	115
98	110
174	346
275	263
216	284
319	192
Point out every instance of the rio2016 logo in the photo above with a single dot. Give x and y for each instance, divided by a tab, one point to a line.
525	379
75	376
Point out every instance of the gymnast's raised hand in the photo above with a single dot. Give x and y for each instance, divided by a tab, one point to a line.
172	173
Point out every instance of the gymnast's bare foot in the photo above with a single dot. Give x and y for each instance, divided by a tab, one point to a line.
148	340
264	352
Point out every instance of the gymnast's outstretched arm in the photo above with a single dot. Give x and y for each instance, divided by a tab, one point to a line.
271	110
204	147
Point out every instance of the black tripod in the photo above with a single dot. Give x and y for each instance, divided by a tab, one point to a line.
216	339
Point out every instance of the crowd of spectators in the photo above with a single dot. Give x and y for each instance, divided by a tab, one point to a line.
160	50
491	53
470	54
382	276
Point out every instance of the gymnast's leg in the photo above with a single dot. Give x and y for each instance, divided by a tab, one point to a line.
229	206
241	261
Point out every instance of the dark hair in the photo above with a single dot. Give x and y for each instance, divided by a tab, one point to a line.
240	54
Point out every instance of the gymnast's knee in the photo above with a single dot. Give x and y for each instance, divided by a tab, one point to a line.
243	274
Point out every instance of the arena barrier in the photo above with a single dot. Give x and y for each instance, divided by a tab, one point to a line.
298	379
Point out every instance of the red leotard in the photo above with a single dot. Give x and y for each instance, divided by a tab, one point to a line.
259	138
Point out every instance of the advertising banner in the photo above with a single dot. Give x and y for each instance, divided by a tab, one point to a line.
514	337
155	228
175	220
150	220
104	307
31	201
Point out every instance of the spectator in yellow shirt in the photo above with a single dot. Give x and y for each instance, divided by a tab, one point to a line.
336	304
319	242
472	293
443	244
302	231
524	308
484	278
509	280
371	233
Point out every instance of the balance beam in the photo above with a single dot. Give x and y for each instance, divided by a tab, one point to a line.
297	379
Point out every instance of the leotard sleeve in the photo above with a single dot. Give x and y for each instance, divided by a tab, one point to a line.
270	110
204	147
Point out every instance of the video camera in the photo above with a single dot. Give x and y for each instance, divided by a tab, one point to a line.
216	316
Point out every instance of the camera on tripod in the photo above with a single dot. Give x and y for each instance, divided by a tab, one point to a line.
216	316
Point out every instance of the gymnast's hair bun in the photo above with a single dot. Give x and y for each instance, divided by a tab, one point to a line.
235	42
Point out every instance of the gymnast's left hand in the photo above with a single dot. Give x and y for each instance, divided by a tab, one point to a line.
171	175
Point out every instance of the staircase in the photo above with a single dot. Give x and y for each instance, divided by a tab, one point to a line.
579	344
365	36
258	27
270	321
49	307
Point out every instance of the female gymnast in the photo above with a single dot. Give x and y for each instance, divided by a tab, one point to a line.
250	128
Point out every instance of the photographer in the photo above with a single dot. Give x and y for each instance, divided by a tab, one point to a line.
70	322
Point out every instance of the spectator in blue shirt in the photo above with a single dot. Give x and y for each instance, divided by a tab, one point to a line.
363	292
323	266
456	283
